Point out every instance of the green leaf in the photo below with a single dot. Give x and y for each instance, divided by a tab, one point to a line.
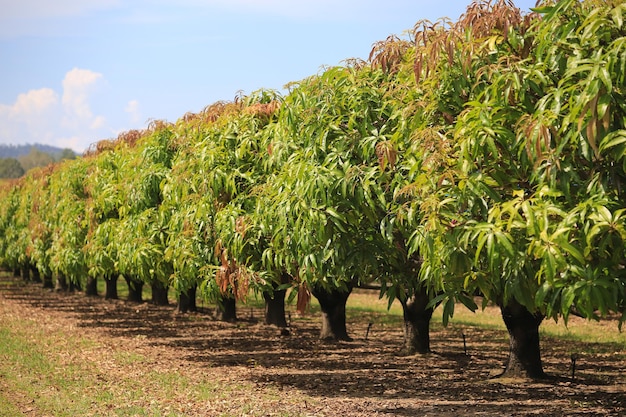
468	302
504	239
567	299
612	140
573	251
617	13
448	311
541	294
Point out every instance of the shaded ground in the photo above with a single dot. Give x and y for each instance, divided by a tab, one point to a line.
360	378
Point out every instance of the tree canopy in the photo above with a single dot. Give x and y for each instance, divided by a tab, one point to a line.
479	157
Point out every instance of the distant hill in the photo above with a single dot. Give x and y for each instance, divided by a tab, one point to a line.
15	160
15	151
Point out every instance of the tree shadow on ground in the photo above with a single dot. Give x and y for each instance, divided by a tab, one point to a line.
446	382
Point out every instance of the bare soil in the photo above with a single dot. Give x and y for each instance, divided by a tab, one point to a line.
365	377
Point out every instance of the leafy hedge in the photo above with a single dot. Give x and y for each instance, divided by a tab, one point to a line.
484	155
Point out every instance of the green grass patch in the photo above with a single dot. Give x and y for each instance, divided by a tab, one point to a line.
366	305
7	409
37	380
58	374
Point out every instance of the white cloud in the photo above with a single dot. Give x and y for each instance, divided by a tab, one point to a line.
132	108
65	120
32	103
29	116
77	86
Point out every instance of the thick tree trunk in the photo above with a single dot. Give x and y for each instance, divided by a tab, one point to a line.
48	282
187	300
524	356
159	293
91	287
333	306
275	308
226	310
110	282
417	323
35	276
135	290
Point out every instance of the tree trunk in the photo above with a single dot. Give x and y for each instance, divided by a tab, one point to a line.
187	300
275	308
227	309
135	290
333	306
524	355
61	283
159	293
91	287
47	282
110	282
417	323
26	273
35	276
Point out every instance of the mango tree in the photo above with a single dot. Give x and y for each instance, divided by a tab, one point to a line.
68	223
10	228
432	80
189	197
532	216
245	140
333	160
143	224
216	166
39	225
25	226
103	208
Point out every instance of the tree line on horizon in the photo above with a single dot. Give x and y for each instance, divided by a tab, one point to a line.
16	160
475	162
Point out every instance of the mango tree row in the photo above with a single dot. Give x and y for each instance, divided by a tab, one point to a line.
483	157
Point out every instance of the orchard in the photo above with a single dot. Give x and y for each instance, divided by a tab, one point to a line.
473	163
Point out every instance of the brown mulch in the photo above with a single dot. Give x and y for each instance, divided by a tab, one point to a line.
365	377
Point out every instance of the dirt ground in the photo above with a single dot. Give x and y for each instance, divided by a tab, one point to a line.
365	377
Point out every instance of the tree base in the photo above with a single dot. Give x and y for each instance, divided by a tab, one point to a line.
524	354
416	328
333	306
187	301
110	292
159	294
25	273
48	282
135	290
226	310
91	287
35	276
275	308
61	284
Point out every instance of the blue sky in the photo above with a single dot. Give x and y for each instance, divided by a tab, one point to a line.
73	72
